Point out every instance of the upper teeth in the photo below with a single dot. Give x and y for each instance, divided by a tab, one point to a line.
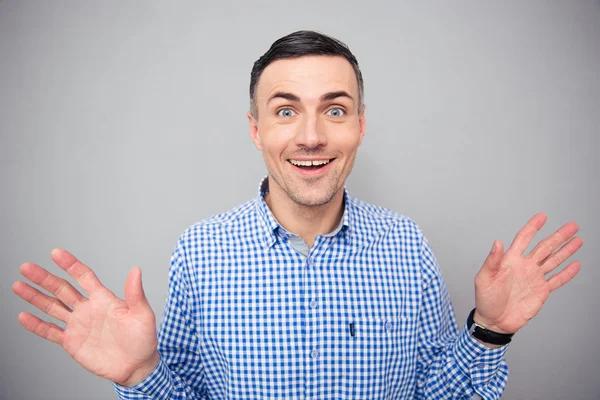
309	163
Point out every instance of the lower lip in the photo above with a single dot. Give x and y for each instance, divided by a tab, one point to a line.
311	173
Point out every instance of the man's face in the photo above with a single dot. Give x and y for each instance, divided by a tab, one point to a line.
308	127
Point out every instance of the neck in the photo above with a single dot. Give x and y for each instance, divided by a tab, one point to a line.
306	221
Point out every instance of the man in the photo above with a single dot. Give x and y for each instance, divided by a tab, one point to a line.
305	292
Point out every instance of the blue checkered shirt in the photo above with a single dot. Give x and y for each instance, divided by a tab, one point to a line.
365	315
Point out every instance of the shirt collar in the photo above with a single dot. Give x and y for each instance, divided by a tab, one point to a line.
270	225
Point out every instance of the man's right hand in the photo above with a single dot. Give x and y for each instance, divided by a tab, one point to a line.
110	337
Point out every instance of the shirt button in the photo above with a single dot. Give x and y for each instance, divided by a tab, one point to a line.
309	261
388	326
314	353
313	304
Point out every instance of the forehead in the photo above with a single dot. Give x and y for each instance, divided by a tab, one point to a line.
308	77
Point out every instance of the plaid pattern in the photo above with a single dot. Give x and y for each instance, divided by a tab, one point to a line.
248	317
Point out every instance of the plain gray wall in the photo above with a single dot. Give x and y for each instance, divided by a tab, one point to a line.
121	123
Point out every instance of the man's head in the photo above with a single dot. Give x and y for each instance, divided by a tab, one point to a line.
307	116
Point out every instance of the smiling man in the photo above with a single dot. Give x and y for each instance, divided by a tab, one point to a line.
304	292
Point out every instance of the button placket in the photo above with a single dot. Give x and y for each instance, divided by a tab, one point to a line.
312	322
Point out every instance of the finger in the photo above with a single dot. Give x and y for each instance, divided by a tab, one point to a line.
492	262
59	287
134	291
564	276
50	305
42	328
84	275
553	242
554	260
526	234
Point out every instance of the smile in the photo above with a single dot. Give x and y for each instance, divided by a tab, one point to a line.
310	163
311	168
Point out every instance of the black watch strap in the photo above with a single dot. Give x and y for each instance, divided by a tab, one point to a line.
485	335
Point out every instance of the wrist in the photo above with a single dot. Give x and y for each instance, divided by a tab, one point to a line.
484	334
141	373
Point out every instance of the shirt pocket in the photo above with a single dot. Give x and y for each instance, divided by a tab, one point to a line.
382	358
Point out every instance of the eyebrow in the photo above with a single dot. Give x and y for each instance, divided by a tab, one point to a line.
326	97
284	95
335	95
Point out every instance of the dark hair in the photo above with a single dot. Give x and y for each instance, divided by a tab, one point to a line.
298	44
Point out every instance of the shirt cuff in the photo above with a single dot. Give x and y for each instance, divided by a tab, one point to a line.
477	361
157	385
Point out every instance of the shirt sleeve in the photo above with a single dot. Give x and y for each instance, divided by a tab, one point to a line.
179	374
451	364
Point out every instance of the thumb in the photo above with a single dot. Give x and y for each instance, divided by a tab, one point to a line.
134	292
492	262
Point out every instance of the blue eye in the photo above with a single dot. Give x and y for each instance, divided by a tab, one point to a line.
286	112
336	112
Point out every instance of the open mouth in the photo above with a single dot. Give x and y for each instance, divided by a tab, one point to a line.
311	165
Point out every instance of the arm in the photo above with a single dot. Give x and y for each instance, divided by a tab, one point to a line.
112	338
179	374
510	289
452	364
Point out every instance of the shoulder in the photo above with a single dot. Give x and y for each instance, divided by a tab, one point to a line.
238	223
372	217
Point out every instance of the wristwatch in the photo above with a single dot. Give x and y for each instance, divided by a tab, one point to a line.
485	335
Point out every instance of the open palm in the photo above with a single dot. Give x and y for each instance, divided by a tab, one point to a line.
511	288
110	337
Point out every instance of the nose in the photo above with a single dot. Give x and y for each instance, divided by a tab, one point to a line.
311	133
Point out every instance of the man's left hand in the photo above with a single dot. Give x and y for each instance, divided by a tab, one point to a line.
511	287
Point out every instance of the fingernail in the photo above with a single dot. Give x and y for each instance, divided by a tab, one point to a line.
493	247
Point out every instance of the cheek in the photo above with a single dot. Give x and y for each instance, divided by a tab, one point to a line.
276	139
346	139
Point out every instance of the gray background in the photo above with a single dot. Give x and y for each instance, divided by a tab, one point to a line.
121	123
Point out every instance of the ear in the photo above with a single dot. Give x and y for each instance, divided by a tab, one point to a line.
363	123
254	135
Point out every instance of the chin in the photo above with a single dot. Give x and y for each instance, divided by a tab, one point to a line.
312	198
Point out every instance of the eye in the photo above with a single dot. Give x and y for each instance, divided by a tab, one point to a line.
336	112
286	112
